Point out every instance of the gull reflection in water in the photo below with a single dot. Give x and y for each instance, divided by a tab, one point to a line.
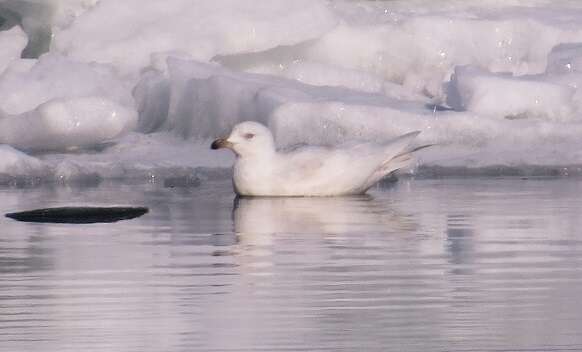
310	215
311	227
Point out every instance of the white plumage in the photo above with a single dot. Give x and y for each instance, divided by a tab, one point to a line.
261	170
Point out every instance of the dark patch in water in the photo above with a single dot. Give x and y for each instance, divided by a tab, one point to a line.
79	215
182	181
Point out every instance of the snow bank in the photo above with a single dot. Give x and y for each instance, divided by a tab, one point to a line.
67	11
206	100
12	43
460	138
14	162
62	124
419	45
505	96
54	103
111	32
38	18
138	88
318	74
565	58
28	83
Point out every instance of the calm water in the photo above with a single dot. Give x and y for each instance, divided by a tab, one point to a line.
424	265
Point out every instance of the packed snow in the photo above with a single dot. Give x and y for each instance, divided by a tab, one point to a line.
12	42
109	89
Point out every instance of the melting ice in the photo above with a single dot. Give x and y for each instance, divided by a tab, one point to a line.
93	89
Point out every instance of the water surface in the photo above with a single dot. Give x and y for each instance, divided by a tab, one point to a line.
422	265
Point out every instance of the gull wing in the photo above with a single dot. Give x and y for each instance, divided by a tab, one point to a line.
348	170
303	164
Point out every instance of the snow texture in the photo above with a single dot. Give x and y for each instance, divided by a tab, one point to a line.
96	89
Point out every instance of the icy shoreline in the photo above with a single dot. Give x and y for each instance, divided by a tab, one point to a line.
120	96
193	177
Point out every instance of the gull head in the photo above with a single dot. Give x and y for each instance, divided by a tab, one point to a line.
247	139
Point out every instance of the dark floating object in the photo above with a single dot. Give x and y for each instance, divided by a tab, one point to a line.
79	215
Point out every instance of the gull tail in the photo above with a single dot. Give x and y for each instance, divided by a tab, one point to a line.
398	156
404	159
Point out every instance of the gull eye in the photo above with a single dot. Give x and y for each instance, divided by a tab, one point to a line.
249	136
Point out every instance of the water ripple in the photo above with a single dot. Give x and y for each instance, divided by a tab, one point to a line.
459	265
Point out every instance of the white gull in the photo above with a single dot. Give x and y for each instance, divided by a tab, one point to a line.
261	170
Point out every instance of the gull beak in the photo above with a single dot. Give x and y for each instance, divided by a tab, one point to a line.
221	143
